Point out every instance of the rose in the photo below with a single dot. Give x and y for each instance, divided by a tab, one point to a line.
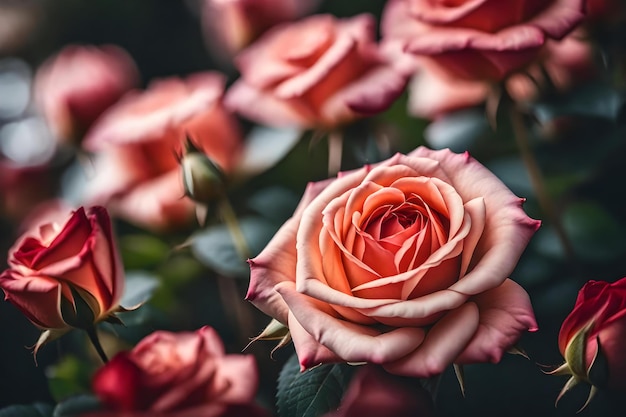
318	72
477	39
403	264
137	173
375	393
230	25
596	328
433	92
74	87
179	374
64	276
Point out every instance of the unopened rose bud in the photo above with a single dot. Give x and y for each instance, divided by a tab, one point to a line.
202	178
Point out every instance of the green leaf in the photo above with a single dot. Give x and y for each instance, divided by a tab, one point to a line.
311	393
138	288
76	406
33	410
457	131
594	99
68	377
142	251
264	148
214	246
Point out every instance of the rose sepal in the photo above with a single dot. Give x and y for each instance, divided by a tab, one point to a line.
275	330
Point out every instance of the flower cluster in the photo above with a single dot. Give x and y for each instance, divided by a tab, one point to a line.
172	205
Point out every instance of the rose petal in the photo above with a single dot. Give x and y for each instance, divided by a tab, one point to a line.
351	342
443	343
505	313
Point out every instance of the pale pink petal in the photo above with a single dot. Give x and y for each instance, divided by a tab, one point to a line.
238	390
351	342
263	107
443	343
505	313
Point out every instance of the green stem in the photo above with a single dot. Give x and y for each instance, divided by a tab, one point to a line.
537	180
335	152
230	218
95	341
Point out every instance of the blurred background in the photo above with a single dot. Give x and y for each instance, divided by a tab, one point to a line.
578	137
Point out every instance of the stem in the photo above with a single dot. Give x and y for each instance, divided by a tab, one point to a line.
335	150
95	341
537	181
229	216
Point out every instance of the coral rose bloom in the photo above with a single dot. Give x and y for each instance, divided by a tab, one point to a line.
76	86
230	25
317	72
137	174
179	374
54	264
403	264
477	39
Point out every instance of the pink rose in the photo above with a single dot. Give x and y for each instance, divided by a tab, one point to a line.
595	328
178	375
477	39
318	72
375	393
433	92
137	173
230	25
403	264
56	267
77	85
22	187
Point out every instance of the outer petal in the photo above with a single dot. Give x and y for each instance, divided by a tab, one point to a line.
350	342
443	343
505	313
277	262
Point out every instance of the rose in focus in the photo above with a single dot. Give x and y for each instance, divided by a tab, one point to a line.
136	170
76	86
318	72
477	39
66	275
179	374
230	25
595	330
404	264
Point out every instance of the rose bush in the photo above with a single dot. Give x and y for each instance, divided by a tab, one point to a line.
74	87
317	72
57	268
595	328
404	264
230	25
477	39
179	374
136	170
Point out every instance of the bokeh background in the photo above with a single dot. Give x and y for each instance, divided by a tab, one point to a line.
578	137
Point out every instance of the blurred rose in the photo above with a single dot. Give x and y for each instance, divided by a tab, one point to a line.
477	39
375	393
56	270
230	25
318	72
433	92
136	170
77	85
604	10
22	187
420	244
596	328
177	375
